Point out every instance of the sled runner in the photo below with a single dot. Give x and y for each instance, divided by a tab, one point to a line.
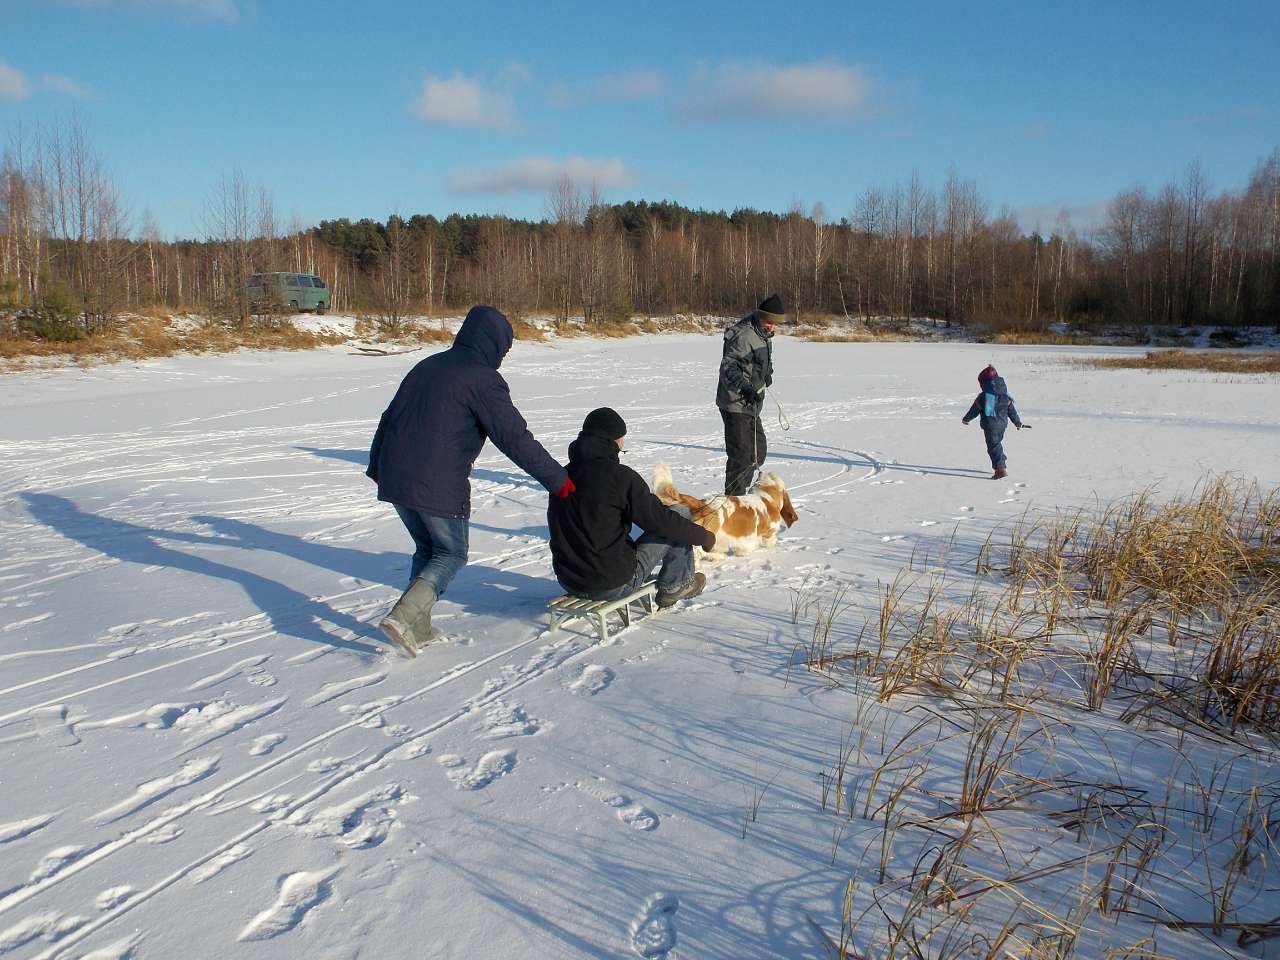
568	608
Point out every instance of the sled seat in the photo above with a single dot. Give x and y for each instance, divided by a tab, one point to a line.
568	607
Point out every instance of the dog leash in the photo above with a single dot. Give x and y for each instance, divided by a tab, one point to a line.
783	420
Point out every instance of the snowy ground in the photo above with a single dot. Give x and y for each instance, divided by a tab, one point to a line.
207	751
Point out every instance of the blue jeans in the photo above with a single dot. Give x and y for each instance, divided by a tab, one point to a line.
440	546
676	570
995	446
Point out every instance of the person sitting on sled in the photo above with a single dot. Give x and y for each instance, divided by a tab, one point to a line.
995	408
591	547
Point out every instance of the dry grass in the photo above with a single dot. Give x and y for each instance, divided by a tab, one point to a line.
154	335
524	330
1110	685
1260	362
836	332
1044	338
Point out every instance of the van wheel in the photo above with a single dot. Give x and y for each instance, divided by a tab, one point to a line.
294	304
320	309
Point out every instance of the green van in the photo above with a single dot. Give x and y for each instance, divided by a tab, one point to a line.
296	291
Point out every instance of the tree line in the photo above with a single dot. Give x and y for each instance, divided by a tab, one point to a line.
72	257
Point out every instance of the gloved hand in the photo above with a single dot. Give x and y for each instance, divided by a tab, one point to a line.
566	489
1024	426
965	421
709	542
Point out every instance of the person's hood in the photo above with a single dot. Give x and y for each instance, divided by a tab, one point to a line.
759	327
995	385
593	446
732	328
486	333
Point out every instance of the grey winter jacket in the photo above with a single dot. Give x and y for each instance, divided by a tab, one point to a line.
994	406
746	367
439	419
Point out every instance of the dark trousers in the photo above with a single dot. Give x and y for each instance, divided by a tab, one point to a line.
745	444
995	445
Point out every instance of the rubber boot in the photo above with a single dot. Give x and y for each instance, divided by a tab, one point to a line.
408	625
1000	473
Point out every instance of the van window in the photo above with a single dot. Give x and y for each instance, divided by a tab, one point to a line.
317	282
255	280
304	281
291	279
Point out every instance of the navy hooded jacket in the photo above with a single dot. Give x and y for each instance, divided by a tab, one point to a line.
446	407
994	406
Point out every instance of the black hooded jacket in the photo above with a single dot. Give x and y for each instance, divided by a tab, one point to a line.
591	546
439	419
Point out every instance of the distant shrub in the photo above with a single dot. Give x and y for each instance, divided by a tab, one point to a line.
1258	362
53	318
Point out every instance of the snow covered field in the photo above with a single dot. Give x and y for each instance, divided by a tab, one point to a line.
206	750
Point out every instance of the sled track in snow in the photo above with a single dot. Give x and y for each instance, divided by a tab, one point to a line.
228	627
557	657
26	893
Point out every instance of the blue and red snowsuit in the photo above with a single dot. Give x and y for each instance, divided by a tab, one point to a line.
996	409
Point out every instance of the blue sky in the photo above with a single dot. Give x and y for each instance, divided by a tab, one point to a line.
346	109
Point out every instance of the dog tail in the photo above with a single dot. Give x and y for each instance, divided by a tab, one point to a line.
664	488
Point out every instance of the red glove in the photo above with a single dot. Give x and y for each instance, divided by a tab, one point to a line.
568	488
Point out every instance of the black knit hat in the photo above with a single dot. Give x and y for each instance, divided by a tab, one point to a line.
772	309
605	422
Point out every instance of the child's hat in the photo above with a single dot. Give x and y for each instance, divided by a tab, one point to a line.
988	374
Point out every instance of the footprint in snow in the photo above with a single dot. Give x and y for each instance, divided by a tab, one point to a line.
299	893
265	744
210	869
19	829
360	822
635	815
928	523
113	897
891	539
591	681
51	925
490	767
505	720
653	931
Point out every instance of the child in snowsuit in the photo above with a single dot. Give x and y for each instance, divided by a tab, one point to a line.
995	407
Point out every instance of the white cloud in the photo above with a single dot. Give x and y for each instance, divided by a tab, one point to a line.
461	102
539	174
65	86
628	85
14	86
814	91
225	11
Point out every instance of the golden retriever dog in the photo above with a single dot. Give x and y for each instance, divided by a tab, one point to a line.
740	523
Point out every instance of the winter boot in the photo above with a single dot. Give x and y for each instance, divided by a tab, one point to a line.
689	590
408	625
1000	473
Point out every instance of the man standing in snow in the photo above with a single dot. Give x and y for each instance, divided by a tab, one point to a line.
995	407
422	454
746	369
591	546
